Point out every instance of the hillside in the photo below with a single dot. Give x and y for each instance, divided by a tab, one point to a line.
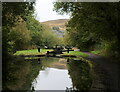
56	23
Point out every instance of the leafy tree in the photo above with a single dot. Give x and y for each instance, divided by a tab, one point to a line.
41	34
10	13
20	36
50	39
92	23
35	30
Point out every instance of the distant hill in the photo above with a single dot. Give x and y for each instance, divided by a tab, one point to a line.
56	23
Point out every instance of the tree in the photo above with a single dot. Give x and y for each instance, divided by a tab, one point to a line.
11	13
92	23
36	29
50	39
19	36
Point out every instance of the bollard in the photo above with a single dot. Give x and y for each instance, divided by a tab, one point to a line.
67	50
38	48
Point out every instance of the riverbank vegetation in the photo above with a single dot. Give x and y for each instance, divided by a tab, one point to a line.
13	16
21	31
30	34
76	53
93	26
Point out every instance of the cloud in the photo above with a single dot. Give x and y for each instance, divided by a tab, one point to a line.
44	11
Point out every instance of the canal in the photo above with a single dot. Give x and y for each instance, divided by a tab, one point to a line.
50	73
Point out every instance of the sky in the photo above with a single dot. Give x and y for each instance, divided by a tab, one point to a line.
44	11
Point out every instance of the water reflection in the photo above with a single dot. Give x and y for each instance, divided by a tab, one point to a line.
76	76
21	73
39	61
32	89
47	73
52	79
80	74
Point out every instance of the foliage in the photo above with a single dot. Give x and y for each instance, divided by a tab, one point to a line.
20	36
12	12
92	23
50	39
67	40
20	29
61	41
41	34
35	30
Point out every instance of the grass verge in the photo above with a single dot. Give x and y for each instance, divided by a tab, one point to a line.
96	52
32	52
77	53
42	51
100	52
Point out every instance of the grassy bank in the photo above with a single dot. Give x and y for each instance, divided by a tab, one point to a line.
43	51
96	52
99	52
32	52
77	53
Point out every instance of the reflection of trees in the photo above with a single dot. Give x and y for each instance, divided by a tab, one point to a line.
21	74
46	62
80	74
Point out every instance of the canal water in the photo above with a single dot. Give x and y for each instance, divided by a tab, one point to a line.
54	76
49	73
52	79
60	74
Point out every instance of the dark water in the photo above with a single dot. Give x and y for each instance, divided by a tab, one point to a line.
48	74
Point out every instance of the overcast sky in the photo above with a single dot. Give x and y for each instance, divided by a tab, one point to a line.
44	11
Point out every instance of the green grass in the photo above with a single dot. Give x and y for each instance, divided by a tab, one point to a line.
77	53
42	51
96	52
100	52
32	52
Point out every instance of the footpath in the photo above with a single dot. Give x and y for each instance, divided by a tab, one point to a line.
106	73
